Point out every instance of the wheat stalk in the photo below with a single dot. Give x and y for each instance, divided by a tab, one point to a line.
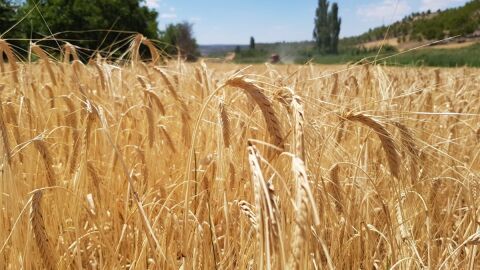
3	129
303	199
2	64
151	126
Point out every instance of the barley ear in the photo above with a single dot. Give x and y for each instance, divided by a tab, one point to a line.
258	96
39	231
225	123
47	160
12	60
385	138
39	51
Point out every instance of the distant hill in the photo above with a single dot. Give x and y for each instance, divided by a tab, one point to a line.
426	26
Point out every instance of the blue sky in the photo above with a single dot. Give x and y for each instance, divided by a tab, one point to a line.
233	22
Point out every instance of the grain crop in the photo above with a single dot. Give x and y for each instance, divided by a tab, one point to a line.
137	163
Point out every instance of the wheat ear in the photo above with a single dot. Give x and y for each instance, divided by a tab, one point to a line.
225	123
336	188
171	90
298	119
39	231
153	51
12	60
47	160
170	143
385	138
410	143
39	51
257	95
246	209
135	47
150	96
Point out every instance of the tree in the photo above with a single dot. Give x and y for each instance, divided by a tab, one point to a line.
327	27
180	41
7	16
321	31
334	23
252	43
89	23
237	49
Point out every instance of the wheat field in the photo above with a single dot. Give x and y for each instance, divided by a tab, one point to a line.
169	165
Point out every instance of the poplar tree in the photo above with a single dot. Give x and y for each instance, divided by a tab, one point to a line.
327	27
335	23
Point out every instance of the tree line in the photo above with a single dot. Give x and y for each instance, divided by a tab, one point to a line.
95	26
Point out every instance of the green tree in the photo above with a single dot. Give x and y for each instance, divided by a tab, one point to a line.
179	40
327	27
321	32
90	24
252	43
7	16
334	23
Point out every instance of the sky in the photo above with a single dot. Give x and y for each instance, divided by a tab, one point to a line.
233	22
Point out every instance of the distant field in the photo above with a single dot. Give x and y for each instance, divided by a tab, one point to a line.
411	45
446	55
173	165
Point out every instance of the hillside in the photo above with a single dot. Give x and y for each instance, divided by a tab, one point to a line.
426	26
414	31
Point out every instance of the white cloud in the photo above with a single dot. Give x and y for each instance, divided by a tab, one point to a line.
154	4
438	4
169	15
386	10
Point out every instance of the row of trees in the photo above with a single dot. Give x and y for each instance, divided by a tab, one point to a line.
327	27
94	25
